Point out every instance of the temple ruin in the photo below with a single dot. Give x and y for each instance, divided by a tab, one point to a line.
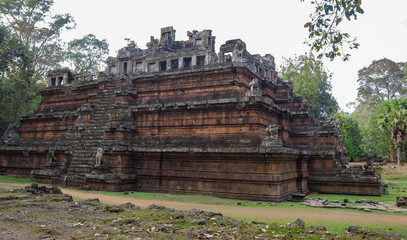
179	117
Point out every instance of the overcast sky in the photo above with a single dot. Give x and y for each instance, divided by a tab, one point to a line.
267	26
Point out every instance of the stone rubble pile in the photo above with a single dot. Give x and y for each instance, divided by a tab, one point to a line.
360	204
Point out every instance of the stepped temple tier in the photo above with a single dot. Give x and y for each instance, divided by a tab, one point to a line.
180	117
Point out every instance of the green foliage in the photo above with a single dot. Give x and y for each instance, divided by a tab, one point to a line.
353	138
325	37
375	143
87	54
30	46
393	118
381	80
30	24
312	82
18	95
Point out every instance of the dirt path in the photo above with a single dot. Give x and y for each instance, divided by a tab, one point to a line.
313	215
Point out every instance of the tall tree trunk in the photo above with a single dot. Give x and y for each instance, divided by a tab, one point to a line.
391	153
405	152
399	155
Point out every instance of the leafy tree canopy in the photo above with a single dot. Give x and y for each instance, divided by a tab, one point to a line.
325	37
353	138
87	54
30	23
393	117
312	82
29	47
382	80
17	96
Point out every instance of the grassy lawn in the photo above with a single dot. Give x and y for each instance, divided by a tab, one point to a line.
389	173
8	179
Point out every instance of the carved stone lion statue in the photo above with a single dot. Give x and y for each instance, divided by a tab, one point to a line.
271	138
254	85
99	155
51	157
272	132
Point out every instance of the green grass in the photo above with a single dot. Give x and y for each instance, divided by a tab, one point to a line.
336	227
8	179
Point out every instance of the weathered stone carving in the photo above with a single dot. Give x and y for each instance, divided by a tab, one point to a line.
337	123
99	156
11	136
340	151
271	138
254	85
255	90
272	132
51	159
330	121
368	167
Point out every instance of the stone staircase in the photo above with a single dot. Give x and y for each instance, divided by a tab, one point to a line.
89	135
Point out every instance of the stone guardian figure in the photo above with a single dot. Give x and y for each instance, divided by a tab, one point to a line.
99	155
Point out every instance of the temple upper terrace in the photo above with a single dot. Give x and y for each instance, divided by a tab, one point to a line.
167	54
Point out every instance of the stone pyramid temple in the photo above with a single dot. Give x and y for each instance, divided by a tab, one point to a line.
178	117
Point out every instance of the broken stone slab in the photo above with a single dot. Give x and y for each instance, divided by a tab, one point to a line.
333	206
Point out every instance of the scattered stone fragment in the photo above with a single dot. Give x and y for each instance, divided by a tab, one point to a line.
154	207
356	229
92	202
298	223
62	198
401	202
129	206
316	228
114	209
199	221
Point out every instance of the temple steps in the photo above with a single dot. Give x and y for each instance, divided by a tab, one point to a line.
85	144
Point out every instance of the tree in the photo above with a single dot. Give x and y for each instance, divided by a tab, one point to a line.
353	138
382	80
31	25
17	96
393	117
30	46
374	143
324	34
312	82
87	54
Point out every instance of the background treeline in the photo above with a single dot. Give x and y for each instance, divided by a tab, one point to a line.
30	45
377	126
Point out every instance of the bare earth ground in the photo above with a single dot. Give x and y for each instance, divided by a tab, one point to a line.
314	215
308	215
39	213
